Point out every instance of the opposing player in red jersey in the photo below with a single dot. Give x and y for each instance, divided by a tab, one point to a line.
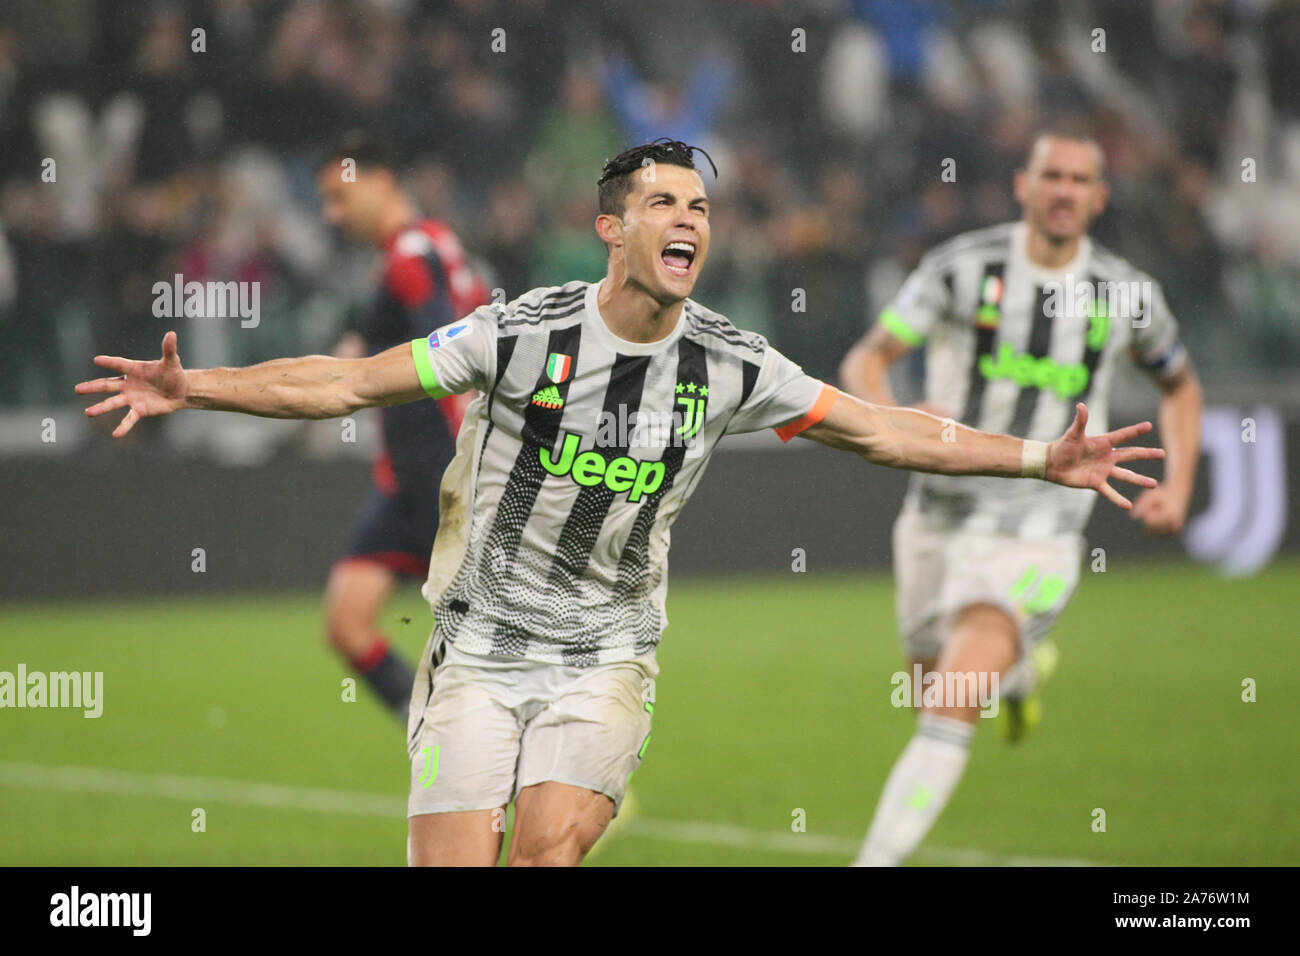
426	283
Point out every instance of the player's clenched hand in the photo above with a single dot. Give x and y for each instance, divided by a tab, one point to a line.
1161	509
1088	461
143	388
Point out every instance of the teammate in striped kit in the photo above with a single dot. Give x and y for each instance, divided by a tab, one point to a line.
426	281
598	408
1021	321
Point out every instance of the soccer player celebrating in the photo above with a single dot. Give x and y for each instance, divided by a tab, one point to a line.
1022	320
599	406
425	283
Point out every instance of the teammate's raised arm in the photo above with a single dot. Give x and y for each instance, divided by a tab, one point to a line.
1163	509
313	386
864	372
1157	350
922	303
916	440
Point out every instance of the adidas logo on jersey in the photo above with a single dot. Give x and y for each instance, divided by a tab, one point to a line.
548	397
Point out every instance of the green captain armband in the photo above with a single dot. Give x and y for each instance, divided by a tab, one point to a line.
424	369
891	320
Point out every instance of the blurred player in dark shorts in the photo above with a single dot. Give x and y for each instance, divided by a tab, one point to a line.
426	283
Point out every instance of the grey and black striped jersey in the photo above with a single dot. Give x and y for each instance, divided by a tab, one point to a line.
574	460
1011	347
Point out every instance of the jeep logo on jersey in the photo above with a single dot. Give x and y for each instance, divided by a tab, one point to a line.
438	337
558	366
619	475
1026	370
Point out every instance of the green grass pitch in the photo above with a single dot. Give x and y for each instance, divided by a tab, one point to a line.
773	705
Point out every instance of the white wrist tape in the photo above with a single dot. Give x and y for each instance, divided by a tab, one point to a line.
1033	459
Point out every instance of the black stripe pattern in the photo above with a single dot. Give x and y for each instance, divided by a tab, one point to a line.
702	323
558	305
1040	346
541	426
748	379
505	352
633	584
1098	334
582	526
988	313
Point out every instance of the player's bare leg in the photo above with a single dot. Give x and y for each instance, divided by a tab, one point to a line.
355	596
984	640
354	599
556	824
466	838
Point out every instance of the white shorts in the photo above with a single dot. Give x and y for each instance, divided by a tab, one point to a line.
940	572
492	726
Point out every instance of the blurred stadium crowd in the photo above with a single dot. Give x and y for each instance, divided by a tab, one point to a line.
201	163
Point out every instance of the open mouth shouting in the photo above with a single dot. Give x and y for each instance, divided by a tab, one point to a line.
678	257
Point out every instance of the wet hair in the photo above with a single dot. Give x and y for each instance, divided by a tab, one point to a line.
616	178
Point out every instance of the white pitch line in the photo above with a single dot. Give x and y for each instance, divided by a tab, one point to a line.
950	856
244	792
722	834
285	797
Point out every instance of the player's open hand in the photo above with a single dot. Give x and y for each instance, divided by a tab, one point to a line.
1088	461
143	388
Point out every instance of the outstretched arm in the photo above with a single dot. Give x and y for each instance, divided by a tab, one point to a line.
314	386
912	439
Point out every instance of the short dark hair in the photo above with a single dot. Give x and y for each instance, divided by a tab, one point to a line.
616	178
1072	130
365	148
